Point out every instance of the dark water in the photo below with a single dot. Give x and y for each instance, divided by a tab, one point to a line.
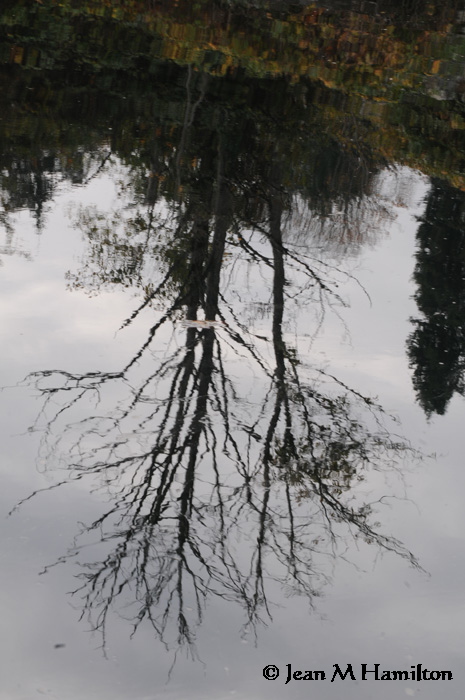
233	279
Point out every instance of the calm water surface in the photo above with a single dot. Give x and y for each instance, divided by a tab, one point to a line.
233	292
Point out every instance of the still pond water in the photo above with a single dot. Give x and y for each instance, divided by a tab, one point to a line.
233	351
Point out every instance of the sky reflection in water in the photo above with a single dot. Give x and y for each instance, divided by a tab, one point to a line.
217	479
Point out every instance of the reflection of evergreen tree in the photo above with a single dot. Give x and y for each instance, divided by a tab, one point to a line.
437	346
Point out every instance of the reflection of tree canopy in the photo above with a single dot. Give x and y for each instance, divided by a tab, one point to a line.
263	123
437	346
361	76
228	460
41	149
74	136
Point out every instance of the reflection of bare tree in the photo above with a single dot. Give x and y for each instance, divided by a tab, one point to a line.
345	230
213	493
